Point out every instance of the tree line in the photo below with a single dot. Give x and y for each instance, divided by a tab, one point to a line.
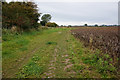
22	15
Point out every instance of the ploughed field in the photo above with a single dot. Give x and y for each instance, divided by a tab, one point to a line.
103	38
55	53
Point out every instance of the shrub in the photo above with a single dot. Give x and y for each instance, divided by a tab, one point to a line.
69	26
50	24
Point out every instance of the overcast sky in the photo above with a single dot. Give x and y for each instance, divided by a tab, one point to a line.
77	12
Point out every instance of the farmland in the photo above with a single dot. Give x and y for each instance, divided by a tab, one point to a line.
105	39
55	53
59	40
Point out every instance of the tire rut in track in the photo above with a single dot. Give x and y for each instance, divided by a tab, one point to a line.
50	73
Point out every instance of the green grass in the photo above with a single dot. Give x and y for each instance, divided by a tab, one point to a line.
102	66
52	53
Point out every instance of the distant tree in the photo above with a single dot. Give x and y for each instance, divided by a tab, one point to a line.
96	25
86	25
69	26
102	25
61	25
45	18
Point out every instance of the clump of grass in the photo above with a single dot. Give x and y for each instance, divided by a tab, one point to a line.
7	52
32	68
67	40
22	42
79	67
49	43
